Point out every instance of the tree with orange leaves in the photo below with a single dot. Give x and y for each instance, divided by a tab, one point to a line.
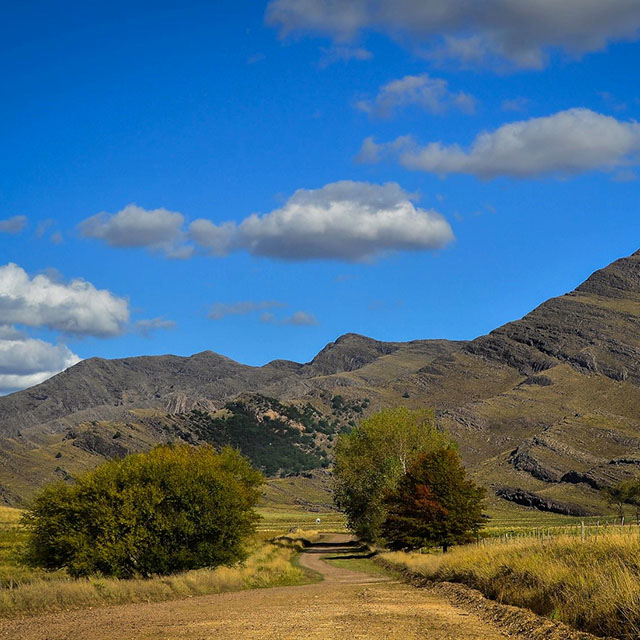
434	504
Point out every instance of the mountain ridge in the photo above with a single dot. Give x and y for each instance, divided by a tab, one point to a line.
544	408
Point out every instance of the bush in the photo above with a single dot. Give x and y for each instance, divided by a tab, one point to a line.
169	510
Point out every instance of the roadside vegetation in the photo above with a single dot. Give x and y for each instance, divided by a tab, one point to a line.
175	522
31	592
592	585
400	482
172	509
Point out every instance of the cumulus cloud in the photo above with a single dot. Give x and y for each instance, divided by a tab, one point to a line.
13	225
521	32
27	361
353	221
223	309
156	229
76	307
345	220
431	94
566	143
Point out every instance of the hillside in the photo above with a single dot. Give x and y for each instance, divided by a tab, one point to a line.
545	408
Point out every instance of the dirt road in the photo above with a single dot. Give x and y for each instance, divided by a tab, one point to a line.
347	605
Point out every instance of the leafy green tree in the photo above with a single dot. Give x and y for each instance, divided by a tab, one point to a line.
616	495
168	510
373	456
434	504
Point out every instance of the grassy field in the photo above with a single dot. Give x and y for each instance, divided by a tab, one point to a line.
592	585
277	520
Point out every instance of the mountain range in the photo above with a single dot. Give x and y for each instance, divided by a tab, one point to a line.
546	409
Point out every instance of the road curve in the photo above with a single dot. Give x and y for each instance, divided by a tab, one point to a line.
346	605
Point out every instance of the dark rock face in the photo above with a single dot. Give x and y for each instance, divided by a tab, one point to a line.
524	459
576	477
530	499
94	443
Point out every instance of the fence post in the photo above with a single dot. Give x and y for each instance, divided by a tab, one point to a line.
582	530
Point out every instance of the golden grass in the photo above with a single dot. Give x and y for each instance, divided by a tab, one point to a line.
267	566
592	585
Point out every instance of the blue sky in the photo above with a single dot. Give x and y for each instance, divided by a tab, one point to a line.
456	170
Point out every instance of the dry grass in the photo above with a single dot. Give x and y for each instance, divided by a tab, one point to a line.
29	593
593	585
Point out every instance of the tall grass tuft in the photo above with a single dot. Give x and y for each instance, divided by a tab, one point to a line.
593	585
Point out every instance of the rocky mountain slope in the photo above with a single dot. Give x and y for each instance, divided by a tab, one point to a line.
546	409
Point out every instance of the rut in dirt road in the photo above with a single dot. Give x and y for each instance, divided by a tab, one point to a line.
346	605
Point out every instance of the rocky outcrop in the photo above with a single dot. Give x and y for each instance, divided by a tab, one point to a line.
94	443
524	459
530	499
348	353
182	403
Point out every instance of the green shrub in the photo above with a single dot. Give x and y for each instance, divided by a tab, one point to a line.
169	510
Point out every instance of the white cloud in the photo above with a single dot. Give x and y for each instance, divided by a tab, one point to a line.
301	319
431	94
341	53
566	143
157	230
13	225
298	319
76	307
146	326
25	361
345	220
221	310
521	32
43	225
218	239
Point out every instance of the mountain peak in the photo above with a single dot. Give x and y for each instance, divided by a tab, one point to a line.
594	328
349	352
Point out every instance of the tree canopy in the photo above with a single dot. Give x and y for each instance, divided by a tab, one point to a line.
433	504
625	492
371	459
172	509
